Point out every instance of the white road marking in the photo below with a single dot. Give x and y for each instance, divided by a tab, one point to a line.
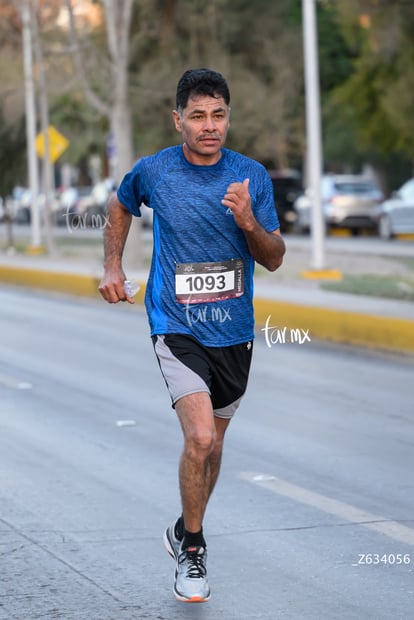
12	382
349	513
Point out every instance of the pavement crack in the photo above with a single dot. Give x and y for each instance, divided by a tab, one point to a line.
62	561
313	526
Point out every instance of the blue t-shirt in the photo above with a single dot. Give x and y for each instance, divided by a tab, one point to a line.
201	277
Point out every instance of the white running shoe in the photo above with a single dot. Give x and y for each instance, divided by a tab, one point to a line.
191	585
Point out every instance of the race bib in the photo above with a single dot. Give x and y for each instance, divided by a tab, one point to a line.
205	282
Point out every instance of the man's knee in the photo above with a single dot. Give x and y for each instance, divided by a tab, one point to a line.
197	420
201	439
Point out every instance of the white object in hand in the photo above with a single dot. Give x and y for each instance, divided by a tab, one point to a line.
131	287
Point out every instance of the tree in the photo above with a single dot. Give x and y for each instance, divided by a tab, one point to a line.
115	105
12	154
257	46
376	100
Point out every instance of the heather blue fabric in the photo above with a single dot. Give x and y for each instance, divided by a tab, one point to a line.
191	225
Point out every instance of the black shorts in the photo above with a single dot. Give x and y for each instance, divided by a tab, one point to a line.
189	367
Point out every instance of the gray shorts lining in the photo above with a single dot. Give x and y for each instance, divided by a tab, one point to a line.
182	381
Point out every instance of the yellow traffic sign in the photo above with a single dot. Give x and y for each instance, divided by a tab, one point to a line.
57	144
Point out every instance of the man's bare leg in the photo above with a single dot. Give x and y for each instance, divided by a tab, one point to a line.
215	456
197	421
201	457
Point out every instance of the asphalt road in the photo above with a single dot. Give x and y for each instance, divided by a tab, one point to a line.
313	516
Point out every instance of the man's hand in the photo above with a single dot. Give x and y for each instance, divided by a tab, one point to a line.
237	198
267	248
112	287
115	234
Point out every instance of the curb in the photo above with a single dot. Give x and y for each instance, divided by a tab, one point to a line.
281	321
285	322
61	282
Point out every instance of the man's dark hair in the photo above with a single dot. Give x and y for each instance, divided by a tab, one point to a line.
201	82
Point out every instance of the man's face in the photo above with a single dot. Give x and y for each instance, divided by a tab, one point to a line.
203	123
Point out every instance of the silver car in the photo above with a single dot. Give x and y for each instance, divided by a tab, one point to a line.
348	201
396	215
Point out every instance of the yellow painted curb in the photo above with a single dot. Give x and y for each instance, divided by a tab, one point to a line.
61	282
339	232
50	280
35	250
379	332
322	274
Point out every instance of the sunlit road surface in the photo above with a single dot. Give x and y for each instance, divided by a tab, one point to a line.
312	518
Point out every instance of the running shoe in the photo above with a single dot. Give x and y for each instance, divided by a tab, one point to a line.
171	542
191	585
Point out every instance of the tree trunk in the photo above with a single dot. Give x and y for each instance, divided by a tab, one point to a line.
121	130
118	20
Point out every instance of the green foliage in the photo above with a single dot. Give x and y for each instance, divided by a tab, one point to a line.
374	285
252	43
79	125
335	55
12	155
375	102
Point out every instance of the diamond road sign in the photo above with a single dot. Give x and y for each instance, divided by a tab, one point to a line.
57	144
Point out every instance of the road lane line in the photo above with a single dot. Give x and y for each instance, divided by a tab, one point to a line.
349	513
16	384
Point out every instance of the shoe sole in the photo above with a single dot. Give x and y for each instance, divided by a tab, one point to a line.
193	599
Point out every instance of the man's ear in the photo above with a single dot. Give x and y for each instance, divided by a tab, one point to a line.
177	120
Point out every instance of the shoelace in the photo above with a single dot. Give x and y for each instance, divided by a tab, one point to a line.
195	566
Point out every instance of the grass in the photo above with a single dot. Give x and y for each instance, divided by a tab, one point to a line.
390	287
387	286
408	261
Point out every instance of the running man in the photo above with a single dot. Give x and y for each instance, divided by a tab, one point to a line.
214	217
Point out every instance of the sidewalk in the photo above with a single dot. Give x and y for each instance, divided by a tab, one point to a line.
288	308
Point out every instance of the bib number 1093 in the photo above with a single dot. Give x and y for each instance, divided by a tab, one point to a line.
201	282
209	283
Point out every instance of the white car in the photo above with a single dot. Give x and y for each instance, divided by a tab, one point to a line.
348	201
396	215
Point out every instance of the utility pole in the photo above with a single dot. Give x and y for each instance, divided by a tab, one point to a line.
47	166
313	132
33	172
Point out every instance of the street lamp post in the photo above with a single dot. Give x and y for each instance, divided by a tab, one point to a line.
33	172
47	176
313	132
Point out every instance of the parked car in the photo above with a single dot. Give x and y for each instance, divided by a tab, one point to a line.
68	211
84	206
396	215
348	201
287	186
21	205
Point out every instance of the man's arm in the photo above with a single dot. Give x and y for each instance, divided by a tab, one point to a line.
115	236
265	247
